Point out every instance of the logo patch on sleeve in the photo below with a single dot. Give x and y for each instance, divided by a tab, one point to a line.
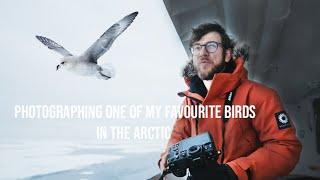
282	120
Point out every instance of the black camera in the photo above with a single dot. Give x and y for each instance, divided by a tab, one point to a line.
192	152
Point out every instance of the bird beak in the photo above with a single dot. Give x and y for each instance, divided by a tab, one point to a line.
58	67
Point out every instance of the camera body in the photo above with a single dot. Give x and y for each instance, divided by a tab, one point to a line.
192	152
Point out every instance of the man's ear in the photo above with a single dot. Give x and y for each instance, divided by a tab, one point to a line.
228	55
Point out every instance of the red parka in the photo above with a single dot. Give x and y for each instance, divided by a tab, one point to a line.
265	147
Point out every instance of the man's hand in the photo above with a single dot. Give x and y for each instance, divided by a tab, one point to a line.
163	162
213	171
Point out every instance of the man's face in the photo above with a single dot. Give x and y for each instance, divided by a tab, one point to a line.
208	63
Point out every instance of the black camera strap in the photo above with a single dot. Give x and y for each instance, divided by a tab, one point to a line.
164	173
227	102
195	103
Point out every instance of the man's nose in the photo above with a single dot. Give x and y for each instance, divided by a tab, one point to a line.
203	51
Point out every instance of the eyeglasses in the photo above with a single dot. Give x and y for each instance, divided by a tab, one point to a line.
211	47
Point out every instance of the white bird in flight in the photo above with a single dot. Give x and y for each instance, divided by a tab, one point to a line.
86	64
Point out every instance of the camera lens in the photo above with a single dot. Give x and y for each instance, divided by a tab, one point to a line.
180	173
194	149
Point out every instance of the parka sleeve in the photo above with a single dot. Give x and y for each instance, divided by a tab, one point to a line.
280	148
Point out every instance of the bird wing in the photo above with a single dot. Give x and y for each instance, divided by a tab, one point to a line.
103	44
54	46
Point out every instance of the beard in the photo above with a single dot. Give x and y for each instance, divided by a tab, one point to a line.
207	73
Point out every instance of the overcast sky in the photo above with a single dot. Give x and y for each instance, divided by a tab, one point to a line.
147	57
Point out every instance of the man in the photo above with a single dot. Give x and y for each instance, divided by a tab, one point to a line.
263	147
